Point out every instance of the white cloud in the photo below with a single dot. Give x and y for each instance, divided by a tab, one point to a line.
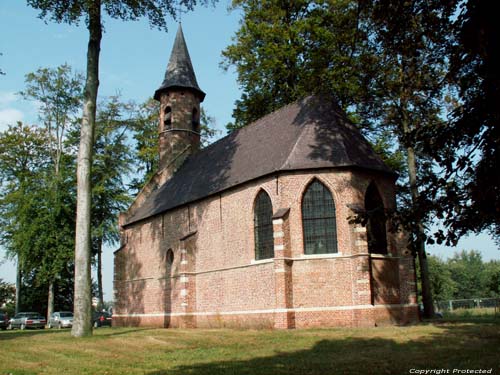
9	116
7	97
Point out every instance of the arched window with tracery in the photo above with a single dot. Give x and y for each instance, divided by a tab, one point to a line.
375	225
318	220
263	226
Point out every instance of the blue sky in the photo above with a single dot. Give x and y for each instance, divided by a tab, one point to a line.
133	62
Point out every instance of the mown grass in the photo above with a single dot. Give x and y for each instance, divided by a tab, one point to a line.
382	350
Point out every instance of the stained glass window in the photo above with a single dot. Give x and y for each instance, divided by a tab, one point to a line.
263	227
318	220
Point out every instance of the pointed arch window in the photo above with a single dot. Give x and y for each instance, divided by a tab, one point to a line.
167	119
375	225
318	220
263	226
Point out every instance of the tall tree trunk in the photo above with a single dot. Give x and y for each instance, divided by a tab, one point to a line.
18	285
412	174
420	238
99	272
50	300
82	323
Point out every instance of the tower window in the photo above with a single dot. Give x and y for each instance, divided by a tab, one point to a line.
169	257
167	119
318	220
195	121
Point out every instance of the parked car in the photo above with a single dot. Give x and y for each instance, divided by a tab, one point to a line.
61	319
102	319
4	321
24	320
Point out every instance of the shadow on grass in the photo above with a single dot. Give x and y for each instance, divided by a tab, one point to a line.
460	346
109	331
99	333
17	333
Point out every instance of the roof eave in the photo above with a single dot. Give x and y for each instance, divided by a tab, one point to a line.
157	95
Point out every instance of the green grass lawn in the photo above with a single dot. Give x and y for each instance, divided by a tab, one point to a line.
381	350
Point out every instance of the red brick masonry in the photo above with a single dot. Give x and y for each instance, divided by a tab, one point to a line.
214	280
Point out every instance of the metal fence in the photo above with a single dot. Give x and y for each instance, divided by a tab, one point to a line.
473	303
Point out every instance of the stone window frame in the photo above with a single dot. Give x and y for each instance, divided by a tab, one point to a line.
319	218
263	233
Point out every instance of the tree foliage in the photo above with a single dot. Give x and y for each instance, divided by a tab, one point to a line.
467	193
112	163
287	50
443	285
39	234
464	276
7	292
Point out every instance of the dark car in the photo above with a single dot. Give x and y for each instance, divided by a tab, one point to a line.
4	321
101	319
25	320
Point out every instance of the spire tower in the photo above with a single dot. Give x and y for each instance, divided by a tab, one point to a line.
180	97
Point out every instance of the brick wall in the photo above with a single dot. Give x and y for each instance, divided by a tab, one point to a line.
215	281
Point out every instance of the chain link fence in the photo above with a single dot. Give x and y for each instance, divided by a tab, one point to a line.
490	304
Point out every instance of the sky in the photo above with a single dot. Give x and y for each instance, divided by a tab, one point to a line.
132	62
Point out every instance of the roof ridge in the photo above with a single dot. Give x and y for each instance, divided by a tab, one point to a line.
294	147
261	119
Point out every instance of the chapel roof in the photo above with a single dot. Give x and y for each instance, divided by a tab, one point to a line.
312	133
180	72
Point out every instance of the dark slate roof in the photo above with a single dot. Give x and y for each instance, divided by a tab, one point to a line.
180	72
308	134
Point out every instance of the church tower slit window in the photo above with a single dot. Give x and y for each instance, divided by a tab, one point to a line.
168	118
195	121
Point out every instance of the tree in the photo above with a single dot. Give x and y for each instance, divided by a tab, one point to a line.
7	293
112	163
467	146
287	50
443	286
492	278
58	91
411	39
91	10
467	269
23	157
146	142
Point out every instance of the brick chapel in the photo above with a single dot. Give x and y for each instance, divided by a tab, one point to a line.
254	230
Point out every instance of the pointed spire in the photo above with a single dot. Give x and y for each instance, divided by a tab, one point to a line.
180	72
